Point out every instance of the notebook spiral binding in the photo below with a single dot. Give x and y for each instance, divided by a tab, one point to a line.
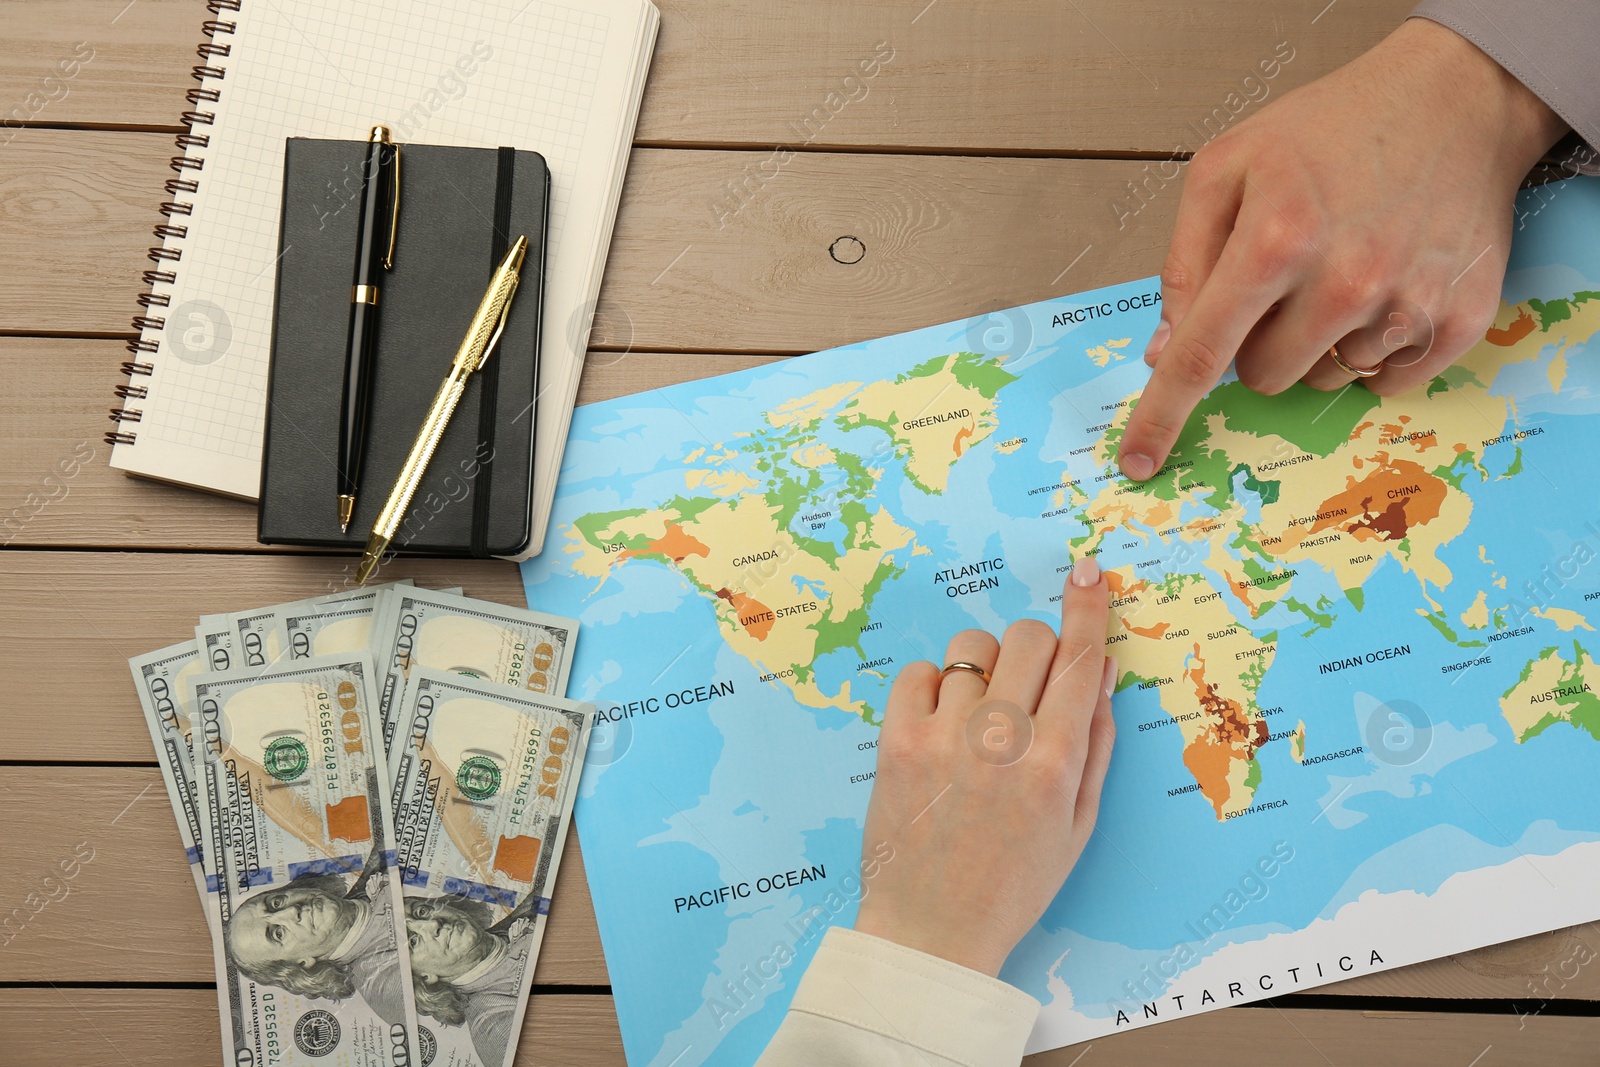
170	231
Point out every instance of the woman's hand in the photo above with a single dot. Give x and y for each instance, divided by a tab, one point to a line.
987	792
1370	210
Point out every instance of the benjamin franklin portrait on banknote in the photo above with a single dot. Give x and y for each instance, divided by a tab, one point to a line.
322	935
468	968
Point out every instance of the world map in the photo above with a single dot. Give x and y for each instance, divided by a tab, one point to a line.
1355	692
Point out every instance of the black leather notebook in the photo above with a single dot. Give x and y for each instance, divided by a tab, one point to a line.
459	210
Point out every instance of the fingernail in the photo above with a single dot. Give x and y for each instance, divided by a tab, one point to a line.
1137	465
1158	340
1085	572
1108	679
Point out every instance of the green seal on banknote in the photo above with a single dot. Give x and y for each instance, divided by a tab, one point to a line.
286	759
478	778
317	1031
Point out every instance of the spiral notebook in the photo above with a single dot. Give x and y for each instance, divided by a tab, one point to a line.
564	81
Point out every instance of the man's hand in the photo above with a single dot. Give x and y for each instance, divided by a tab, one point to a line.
1370	210
987	792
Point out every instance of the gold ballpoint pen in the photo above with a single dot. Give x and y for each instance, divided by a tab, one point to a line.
481	338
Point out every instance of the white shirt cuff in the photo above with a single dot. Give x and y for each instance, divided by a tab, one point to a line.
910	997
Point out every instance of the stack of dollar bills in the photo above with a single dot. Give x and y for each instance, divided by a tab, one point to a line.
373	788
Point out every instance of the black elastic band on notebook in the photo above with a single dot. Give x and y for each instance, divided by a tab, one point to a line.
488	400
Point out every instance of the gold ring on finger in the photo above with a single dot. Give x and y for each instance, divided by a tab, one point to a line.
1333	354
962	666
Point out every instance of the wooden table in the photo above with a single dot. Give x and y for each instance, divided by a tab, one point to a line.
1008	150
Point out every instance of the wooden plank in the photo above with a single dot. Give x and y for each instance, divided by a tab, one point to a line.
969	75
57	489
178	1028
76	210
1532	970
115	829
710	252
97	61
80	616
608	375
1019	75
1299	1036
833	249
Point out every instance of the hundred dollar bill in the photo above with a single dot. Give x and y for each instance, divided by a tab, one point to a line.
262	636
311	957
217	638
383	622
214	641
345	624
509	646
257	636
486	783
213	635
162	679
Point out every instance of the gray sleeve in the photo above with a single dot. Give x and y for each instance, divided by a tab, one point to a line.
1552	47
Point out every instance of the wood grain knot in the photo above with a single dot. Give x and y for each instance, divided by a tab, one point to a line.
847	250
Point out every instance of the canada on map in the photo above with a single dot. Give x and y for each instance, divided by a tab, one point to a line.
1343	624
784	596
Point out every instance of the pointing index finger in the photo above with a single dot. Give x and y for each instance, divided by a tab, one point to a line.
1070	687
1201	348
1206	215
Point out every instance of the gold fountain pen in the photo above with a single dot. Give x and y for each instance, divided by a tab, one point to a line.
481	338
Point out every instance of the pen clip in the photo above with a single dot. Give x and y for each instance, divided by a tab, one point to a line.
394	213
500	325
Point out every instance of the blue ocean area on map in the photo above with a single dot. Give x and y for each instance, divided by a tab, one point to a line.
1397	607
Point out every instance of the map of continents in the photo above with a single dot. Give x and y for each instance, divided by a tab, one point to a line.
1342	623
